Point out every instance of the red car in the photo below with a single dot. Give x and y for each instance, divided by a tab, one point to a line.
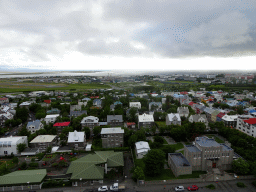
193	188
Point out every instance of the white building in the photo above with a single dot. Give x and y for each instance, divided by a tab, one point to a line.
135	104
141	149
173	118
8	145
51	118
146	121
230	120
247	125
77	140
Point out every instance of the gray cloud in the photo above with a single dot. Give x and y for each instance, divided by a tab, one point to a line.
168	29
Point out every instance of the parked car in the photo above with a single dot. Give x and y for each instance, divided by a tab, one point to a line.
179	188
103	188
193	188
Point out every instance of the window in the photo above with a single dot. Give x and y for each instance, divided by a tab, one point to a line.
5	144
1	144
9	143
5	152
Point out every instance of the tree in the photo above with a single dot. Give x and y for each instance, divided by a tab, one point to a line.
22	113
138	173
87	132
240	166
159	139
168	149
21	147
96	131
154	162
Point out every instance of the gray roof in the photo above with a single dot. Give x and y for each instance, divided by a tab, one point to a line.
114	117
225	147
179	160
77	113
112	130
196	117
192	148
206	142
35	123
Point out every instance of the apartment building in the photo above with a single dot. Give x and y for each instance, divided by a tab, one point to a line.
230	120
247	124
112	137
43	141
90	122
115	120
146	121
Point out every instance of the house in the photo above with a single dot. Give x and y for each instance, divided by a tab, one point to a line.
25	104
51	118
8	145
97	103
23	180
90	122
112	137
230	120
77	113
219	116
179	164
206	154
239	96
5	116
90	169
146	121
42	142
154	106
183	111
86	99
77	140
135	104
214	115
53	111
208	111
75	107
130	125
198	118
141	149
115	120
247	125
34	126
4	100
173	118
60	126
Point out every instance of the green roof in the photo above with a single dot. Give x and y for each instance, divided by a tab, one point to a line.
88	167
23	177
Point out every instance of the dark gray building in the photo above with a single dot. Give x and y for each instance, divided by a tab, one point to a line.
115	120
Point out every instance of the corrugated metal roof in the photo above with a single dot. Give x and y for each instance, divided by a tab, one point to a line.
43	139
23	177
112	130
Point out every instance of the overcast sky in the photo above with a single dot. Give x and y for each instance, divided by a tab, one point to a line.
127	34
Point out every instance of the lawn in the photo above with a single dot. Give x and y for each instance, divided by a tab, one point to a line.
178	146
168	175
160	123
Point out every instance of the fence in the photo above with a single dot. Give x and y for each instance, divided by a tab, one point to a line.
21	188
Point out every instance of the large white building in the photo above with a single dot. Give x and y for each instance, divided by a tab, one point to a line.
141	149
8	145
135	104
247	125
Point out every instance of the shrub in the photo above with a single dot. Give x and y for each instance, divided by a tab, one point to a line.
240	184
211	186
15	160
33	164
54	164
23	165
254	183
40	155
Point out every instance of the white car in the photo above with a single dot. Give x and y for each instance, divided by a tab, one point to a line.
103	188
179	188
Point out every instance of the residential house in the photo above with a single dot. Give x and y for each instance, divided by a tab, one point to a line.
146	121
77	140
4	117
135	104
97	103
208	112
230	120
90	122
42	142
214	115
51	118
141	149
155	106
173	119
34	126
60	126
219	117
53	111
77	113
90	169
198	118
8	145
130	125
25	104
75	107
112	137
206	154
115	120
183	111
4	100
239	96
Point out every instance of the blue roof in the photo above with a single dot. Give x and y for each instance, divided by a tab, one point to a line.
206	142
118	103
192	148
179	160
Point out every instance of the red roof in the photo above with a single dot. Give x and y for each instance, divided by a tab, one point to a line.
220	115
63	124
130	123
2	99
185	93
95	97
251	121
47	101
191	103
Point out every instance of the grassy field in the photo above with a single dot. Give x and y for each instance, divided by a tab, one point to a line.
160	123
20	87
168	175
178	146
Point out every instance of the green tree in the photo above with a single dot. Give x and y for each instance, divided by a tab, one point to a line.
154	162
21	147
138	173
87	132
240	166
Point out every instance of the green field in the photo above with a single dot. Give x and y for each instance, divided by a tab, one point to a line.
10	87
